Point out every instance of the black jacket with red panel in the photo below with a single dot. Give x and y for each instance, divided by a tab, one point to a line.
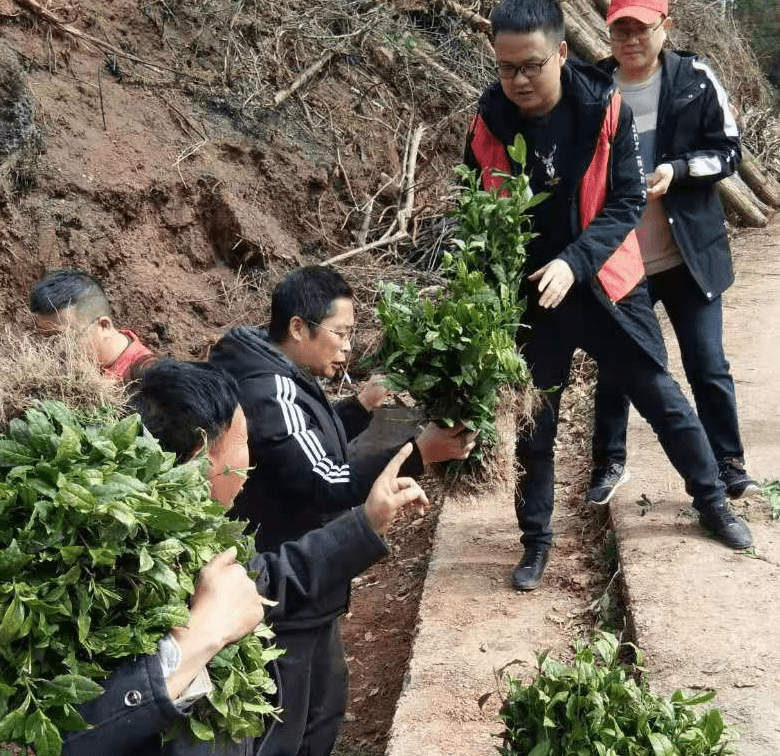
609	194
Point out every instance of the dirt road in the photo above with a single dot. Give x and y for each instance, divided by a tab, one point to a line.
707	617
704	616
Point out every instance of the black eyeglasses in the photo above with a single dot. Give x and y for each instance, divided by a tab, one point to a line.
345	336
529	70
624	33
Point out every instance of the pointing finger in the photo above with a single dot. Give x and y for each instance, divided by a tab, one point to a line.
394	465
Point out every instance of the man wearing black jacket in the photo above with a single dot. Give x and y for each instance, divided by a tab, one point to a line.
689	141
304	475
179	403
584	286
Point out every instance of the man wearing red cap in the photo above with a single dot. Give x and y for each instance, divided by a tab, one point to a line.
689	141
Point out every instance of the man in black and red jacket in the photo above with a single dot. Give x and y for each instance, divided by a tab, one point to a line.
585	277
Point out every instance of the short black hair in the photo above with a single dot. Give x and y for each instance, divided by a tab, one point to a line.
60	289
528	16
180	402
307	292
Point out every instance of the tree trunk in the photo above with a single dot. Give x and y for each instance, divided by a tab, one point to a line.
585	40
763	184
738	199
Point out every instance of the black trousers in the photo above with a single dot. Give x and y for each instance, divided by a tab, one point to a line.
313	693
698	325
582	321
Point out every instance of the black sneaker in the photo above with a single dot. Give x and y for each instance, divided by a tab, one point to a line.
529	571
725	525
604	481
738	483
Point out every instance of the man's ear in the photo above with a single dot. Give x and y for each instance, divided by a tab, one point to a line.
204	444
668	24
563	51
298	329
104	323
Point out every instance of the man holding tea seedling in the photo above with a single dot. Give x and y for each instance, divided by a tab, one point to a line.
305	475
585	276
689	141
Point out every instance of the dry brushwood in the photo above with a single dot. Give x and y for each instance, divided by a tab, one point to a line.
474	20
58	369
399	229
305	76
87	39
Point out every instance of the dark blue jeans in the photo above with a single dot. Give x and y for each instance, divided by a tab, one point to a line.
581	321
698	325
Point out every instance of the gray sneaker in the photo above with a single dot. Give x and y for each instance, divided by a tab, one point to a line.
604	481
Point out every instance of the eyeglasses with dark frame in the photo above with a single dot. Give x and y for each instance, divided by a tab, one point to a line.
345	336
623	34
529	70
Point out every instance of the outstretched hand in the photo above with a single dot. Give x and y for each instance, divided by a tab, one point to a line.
555	280
390	494
374	393
438	444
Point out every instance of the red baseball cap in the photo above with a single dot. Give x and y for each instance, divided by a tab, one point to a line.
646	11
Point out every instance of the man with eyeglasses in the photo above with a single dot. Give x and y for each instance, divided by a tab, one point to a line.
585	276
689	141
304	475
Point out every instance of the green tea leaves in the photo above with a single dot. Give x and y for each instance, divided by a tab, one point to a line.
12	622
104	537
453	348
595	706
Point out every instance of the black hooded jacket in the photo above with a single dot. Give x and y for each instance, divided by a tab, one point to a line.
304	474
697	134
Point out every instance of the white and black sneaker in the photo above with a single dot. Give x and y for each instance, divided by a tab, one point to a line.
738	483
604	481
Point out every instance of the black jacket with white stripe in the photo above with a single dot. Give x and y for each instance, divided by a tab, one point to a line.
697	134
304	474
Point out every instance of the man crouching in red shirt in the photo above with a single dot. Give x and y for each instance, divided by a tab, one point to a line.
72	299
